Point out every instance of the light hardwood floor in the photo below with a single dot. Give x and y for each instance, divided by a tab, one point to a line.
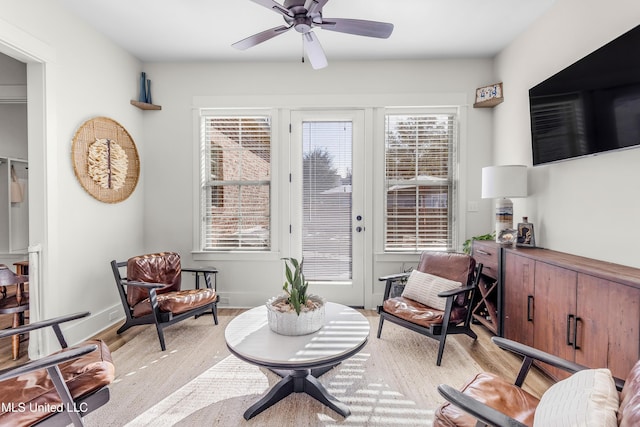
484	352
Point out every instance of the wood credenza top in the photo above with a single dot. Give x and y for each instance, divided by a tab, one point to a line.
623	274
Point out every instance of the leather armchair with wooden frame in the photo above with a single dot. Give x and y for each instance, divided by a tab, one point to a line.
59	389
487	399
454	314
151	292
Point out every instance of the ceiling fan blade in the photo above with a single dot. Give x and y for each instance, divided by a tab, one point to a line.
260	37
358	27
314	6
270	4
314	50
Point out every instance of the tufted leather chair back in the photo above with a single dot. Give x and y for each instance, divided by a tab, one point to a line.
163	267
454	266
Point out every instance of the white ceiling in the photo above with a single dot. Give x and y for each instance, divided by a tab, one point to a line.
203	30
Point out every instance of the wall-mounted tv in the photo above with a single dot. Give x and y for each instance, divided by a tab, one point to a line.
590	107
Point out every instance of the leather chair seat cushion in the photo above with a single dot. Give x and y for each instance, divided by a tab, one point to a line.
418	313
494	392
177	302
35	392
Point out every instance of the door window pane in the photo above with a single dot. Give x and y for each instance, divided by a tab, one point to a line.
326	225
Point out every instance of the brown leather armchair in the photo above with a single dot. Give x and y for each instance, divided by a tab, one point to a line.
151	292
487	399
437	323
58	389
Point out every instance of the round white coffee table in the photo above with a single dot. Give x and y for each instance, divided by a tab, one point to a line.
298	359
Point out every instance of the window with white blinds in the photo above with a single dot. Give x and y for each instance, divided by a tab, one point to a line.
236	182
419	181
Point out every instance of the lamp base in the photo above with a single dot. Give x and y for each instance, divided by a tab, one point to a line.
504	216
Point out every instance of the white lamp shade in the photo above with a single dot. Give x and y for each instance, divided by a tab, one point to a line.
504	181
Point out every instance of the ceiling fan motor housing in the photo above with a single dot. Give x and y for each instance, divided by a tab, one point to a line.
301	21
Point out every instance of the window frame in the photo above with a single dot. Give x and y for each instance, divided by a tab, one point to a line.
454	192
202	189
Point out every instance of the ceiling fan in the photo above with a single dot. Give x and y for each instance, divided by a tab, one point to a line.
303	15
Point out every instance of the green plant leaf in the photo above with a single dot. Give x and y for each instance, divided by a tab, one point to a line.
295	285
288	273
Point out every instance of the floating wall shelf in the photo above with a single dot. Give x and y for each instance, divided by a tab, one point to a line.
145	106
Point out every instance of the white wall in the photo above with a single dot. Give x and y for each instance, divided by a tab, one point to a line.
85	76
169	161
587	206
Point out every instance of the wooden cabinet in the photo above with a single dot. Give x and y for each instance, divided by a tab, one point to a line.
608	324
486	309
518	298
554	308
577	308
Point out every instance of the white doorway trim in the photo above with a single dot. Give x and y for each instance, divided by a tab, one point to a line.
42	145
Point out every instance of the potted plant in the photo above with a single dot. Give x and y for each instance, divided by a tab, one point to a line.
295	312
466	247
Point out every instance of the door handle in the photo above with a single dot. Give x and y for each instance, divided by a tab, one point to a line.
569	318
575	334
359	229
529	308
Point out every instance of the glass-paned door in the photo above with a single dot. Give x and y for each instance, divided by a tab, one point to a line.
327	196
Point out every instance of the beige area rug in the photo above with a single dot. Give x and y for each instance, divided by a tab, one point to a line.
197	382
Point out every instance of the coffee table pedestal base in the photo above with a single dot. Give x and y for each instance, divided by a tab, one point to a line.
297	381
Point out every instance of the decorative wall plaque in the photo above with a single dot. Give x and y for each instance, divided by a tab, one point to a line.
489	96
105	159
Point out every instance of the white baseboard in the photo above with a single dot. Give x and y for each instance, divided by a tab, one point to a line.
86	328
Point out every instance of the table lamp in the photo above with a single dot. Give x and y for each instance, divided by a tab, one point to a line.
501	183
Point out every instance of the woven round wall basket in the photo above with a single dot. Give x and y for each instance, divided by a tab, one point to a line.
105	159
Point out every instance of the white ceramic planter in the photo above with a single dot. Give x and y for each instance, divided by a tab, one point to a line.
290	323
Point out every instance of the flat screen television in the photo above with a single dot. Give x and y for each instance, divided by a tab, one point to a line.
590	107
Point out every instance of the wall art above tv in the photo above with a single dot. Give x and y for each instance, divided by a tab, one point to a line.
590	107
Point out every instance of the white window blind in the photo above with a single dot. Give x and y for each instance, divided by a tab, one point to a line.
236	182
326	225
420	190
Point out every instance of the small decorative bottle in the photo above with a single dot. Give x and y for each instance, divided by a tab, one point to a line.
142	97
149	92
525	233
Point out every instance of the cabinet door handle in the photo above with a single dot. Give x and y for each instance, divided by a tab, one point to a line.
569	318
529	308
481	252
575	334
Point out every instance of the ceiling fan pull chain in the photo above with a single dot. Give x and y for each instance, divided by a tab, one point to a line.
302	39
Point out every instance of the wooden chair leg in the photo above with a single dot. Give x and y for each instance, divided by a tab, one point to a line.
15	339
380	326
442	340
161	337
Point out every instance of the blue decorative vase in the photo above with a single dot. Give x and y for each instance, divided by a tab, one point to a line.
143	93
149	92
